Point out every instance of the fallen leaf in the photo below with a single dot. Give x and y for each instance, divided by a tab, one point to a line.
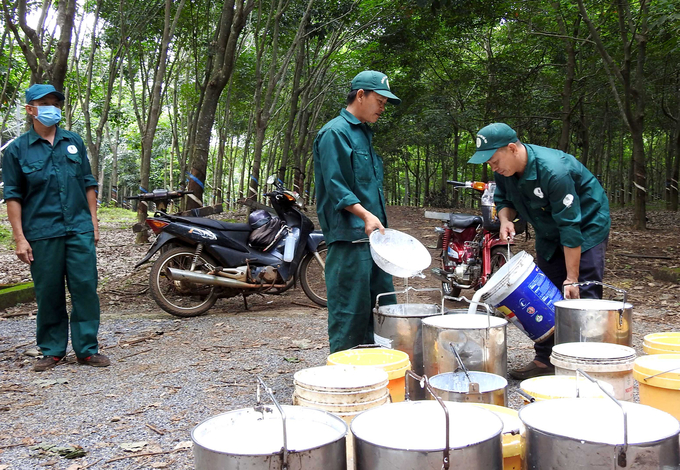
294	360
303	344
133	446
183	445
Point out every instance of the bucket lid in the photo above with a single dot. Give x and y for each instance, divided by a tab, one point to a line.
344	378
458	382
465	322
606	357
507	275
599	420
251	432
550	387
392	361
420	426
669	341
647	366
592	304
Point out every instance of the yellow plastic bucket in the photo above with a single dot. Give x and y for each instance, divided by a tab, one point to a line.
661	391
662	343
513	429
394	362
550	387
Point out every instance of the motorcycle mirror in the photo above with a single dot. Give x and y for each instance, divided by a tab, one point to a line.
271	179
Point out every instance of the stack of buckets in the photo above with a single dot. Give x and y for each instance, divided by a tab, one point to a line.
658	373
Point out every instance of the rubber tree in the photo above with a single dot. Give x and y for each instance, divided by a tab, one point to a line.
627	81
218	71
46	60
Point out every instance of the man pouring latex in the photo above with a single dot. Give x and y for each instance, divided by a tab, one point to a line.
565	204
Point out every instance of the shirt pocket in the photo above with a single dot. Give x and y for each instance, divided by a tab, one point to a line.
362	165
34	172
74	165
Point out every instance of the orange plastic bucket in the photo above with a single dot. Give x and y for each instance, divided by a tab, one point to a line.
394	362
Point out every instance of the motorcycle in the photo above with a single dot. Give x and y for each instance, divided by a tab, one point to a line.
472	250
202	259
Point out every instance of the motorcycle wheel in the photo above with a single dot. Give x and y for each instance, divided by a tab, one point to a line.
313	277
499	256
181	298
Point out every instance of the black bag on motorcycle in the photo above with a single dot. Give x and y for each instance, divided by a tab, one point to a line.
267	230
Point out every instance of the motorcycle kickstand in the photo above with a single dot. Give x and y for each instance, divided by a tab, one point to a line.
245	301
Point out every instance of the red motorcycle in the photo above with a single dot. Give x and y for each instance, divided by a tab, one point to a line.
472	250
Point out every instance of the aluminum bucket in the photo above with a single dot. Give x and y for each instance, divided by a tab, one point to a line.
580	433
480	340
593	320
412	434
455	386
253	438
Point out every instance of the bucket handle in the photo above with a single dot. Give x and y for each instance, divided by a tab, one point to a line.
405	291
617	289
425	383
259	407
622	451
529	398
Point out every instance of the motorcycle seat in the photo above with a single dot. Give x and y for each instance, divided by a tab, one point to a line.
464	220
217	225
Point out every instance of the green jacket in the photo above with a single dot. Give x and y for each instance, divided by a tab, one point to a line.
50	181
559	196
347	171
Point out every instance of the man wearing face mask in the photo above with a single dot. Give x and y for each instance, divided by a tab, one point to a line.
52	207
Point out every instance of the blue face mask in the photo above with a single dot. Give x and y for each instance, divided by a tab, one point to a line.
49	115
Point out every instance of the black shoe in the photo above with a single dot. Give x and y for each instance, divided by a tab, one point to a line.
531	370
95	360
47	362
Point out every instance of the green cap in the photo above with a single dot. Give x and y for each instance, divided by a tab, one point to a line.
490	139
37	91
374	81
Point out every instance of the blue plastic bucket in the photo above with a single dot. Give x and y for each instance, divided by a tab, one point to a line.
519	288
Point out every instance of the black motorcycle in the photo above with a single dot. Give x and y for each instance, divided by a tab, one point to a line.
203	259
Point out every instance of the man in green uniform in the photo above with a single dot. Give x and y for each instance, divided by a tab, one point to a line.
351	205
52	207
565	204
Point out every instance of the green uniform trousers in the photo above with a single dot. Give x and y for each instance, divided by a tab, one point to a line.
353	281
72	257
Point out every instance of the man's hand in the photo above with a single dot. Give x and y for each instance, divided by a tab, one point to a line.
507	231
24	251
571	292
96	234
372	224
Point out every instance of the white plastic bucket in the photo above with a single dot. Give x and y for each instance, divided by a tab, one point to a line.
343	390
521	289
611	363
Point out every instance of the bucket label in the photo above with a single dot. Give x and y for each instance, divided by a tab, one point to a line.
384	342
532	302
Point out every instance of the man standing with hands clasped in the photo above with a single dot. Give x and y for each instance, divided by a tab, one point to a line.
52	207
564	203
351	205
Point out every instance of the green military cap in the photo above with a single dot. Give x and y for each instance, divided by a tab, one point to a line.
37	91
374	81
490	139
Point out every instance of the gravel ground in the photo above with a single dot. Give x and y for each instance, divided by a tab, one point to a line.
167	375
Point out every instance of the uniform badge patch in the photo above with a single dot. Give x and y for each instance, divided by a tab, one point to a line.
538	192
72	149
568	199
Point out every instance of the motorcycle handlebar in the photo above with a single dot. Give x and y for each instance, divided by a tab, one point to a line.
161	195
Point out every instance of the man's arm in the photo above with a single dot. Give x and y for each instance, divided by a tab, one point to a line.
92	204
506	215
23	250
572	259
371	222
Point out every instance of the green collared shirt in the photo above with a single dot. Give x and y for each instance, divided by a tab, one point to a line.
50	181
559	196
347	171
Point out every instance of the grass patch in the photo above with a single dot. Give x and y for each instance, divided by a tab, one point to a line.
6	239
116	217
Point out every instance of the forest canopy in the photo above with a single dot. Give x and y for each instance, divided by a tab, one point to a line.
214	97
